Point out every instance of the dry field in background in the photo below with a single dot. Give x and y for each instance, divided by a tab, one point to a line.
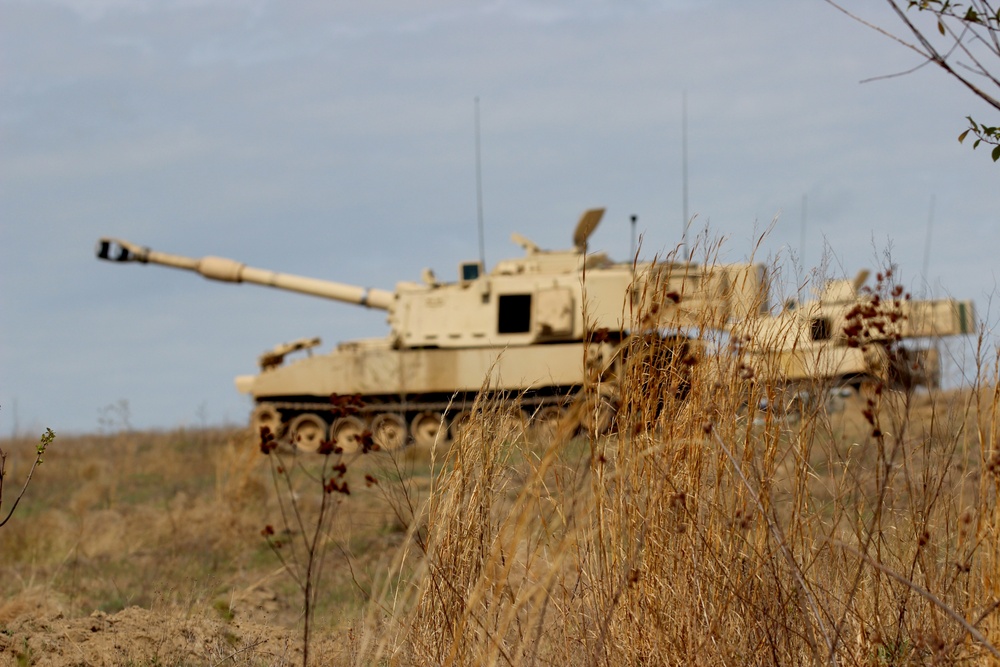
863	531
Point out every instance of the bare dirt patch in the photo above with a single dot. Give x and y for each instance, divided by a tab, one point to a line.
146	549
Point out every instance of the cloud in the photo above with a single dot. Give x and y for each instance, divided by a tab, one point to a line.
108	157
97	10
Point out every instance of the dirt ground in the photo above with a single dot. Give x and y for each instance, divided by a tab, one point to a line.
37	631
146	549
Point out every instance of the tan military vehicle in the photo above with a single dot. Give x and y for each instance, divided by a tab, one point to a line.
542	327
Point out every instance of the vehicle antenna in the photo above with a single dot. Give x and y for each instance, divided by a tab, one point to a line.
684	170
479	192
802	231
631	252
927	247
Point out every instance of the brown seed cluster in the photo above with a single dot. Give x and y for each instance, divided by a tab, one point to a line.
870	320
268	533
345	404
336	482
649	319
268	443
602	335
367	441
869	413
333	485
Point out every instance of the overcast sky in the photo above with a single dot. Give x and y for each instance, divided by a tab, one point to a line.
337	140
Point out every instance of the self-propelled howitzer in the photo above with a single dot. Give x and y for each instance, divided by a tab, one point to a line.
541	327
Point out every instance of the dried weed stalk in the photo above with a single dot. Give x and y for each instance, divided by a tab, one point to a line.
43	443
301	540
730	519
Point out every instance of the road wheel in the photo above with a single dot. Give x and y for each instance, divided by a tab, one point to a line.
346	434
266	415
389	431
425	429
307	432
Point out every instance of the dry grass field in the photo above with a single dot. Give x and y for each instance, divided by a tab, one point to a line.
146	549
861	531
709	530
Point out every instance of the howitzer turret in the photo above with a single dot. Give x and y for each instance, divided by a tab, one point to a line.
543	327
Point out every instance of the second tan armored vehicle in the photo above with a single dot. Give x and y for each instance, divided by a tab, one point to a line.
542	325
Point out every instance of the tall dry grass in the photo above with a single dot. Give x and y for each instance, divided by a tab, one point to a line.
704	531
708	531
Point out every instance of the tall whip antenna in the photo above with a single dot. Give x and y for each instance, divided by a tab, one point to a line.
684	168
927	248
802	231
631	249
479	193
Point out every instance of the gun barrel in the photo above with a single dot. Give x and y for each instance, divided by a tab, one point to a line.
231	271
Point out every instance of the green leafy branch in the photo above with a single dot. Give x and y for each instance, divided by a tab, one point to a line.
976	13
963	39
978	23
983	133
